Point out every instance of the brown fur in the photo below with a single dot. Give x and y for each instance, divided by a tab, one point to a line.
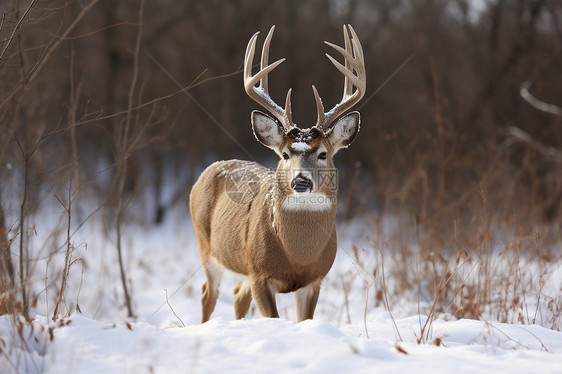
277	249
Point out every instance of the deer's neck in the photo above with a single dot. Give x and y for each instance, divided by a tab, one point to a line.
304	224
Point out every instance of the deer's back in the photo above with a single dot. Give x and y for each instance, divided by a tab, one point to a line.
221	203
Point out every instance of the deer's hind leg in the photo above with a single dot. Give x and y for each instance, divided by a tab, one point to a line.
306	299
213	272
242	298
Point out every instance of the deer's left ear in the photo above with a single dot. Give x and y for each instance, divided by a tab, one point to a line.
344	131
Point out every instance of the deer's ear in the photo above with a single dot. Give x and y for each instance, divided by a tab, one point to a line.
267	130
344	131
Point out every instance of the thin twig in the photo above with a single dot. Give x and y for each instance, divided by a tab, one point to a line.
57	130
68	254
172	309
22	226
202	108
33	74
388	79
122	174
365	311
385	294
18	25
90	33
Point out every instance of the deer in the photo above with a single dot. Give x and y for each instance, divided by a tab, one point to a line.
275	229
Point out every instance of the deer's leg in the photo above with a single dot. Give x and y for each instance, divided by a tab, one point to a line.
264	297
306	299
242	298
213	272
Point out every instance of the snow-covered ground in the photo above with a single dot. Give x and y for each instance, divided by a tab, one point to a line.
352	330
281	346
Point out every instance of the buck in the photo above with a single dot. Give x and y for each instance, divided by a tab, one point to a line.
276	228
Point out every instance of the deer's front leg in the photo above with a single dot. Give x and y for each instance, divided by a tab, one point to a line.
306	299
264	297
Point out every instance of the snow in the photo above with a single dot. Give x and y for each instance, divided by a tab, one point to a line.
83	345
300	147
304	135
275	108
351	332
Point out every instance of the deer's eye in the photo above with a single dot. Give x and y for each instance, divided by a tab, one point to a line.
285	156
322	156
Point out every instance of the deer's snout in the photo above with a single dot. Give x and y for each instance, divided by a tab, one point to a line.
301	184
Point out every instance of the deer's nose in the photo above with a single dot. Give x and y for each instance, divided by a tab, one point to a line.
301	184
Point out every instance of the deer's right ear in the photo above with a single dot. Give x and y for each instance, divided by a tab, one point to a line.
267	130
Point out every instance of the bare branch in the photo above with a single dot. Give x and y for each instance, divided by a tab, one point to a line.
536	103
16	28
63	37
122	171
525	137
140	106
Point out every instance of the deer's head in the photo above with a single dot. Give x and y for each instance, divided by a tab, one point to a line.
304	153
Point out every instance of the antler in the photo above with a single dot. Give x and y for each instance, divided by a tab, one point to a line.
354	61
260	94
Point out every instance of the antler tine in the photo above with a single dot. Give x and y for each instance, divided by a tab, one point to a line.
348	87
249	57
357	48
264	82
288	112
261	94
354	64
319	106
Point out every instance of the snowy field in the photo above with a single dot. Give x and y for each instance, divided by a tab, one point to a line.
281	346
352	330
